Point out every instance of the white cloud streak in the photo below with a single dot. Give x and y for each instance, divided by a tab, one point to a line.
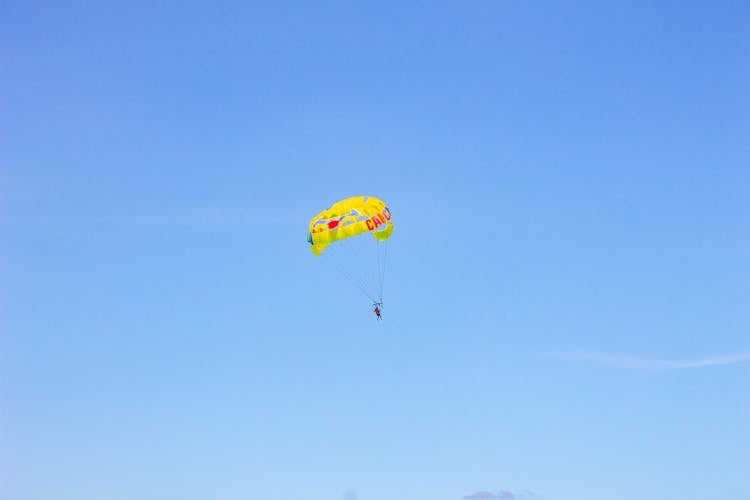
637	363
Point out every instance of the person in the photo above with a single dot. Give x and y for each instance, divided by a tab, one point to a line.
377	311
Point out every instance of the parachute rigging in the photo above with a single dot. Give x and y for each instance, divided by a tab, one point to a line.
352	235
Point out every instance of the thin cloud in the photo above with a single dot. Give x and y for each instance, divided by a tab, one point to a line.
482	495
638	363
499	495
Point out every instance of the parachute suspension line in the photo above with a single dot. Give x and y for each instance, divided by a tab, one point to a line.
382	257
355	280
348	258
358	272
358	284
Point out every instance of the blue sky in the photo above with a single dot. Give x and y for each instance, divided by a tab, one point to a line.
568	283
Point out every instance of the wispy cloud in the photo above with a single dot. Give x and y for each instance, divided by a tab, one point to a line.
500	495
481	495
640	363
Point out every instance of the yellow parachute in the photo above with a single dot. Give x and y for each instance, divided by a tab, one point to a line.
345	225
348	218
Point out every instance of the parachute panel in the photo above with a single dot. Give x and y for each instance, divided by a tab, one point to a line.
349	218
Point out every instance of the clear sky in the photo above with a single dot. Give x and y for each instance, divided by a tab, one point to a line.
567	298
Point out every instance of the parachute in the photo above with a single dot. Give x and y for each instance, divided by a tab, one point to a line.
352	228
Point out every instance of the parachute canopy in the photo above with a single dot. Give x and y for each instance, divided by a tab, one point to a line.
349	218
